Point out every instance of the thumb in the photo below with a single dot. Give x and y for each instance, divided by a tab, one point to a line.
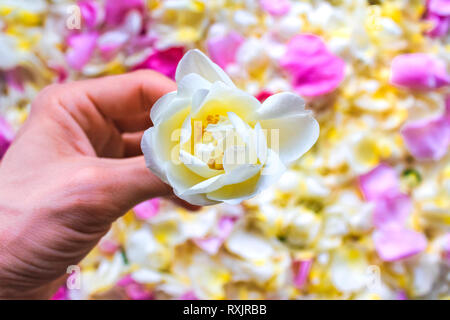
129	182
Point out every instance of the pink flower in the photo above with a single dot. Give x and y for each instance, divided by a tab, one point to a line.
301	272
379	182
276	7
313	68
394	244
419	71
212	244
428	139
165	61
89	12
81	49
6	136
147	209
116	10
222	49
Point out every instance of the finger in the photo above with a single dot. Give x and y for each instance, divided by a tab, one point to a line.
183	203
134	124
128	182
132	144
126	95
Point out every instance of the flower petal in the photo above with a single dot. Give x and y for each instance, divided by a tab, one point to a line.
151	155
198	166
392	210
276	7
419	71
195	61
163	61
427	139
82	48
314	69
394	244
192	83
279	105
379	182
147	209
222	49
291	136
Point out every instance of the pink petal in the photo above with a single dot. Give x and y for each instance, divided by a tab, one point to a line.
394	244
428	139
165	61
222	49
136	291
392	210
439	7
441	25
379	182
313	68
89	12
125	281
6	136
419	71
108	246
263	95
212	244
116	10
190	295
81	49
147	209
301	272
61	294
276	7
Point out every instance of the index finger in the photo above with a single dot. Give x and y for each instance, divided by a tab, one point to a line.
127	95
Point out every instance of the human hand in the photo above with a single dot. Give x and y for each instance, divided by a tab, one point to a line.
73	169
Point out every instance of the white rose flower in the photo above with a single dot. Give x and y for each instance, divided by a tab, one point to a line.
214	143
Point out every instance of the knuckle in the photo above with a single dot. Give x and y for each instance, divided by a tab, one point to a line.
47	96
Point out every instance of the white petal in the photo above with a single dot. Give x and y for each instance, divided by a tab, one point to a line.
181	178
222	99
161	105
242	128
281	105
196	199
205	186
272	171
191	83
198	166
195	61
186	131
199	98
291	136
151	155
261	143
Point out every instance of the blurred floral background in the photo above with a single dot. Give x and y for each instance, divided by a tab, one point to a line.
365	214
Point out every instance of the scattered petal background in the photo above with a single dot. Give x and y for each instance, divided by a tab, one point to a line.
365	214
